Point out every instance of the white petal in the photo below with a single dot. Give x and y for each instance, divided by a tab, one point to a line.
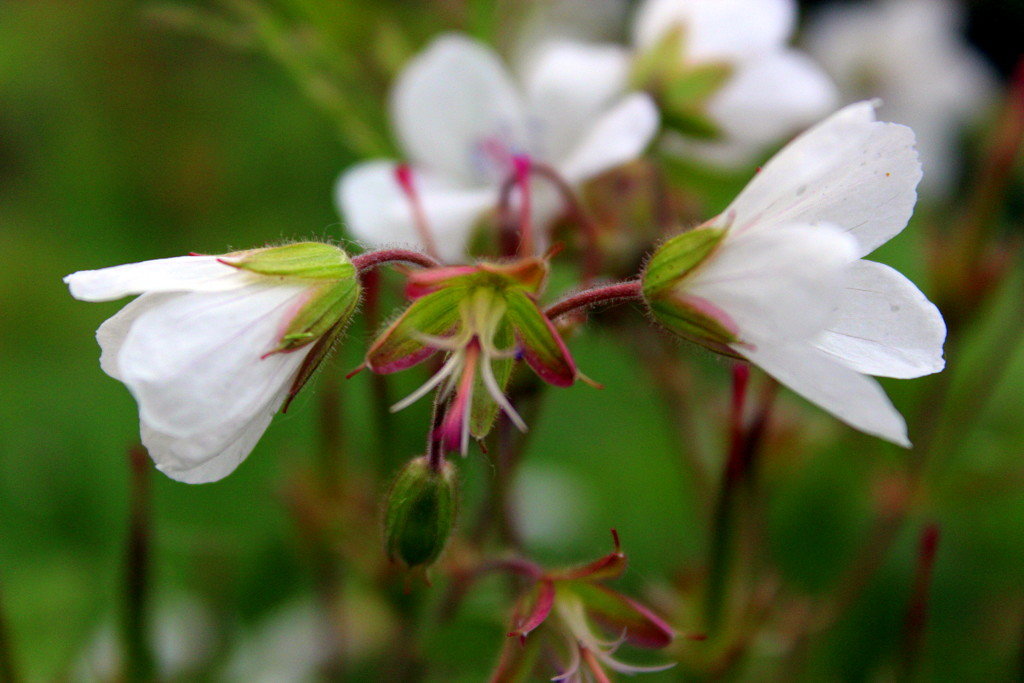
885	326
568	85
718	30
111	334
178	274
379	214
777	284
194	363
457	112
203	458
857	400
618	137
768	99
850	170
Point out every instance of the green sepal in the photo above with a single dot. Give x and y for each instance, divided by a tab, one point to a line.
484	410
660	63
619	614
399	346
420	513
684	100
309	260
677	258
684	319
330	303
542	347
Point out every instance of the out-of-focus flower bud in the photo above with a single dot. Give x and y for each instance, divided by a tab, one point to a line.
420	513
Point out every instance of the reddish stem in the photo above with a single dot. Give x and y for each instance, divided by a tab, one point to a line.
513	237
623	291
523	167
375	259
917	611
404	176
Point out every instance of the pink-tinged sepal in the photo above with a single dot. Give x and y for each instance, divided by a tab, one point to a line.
540	344
402	344
621	615
609	567
423	282
535	608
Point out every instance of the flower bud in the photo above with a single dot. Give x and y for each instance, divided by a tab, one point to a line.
420	513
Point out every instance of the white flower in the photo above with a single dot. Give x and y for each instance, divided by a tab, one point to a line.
771	90
207	350
460	117
785	285
910	53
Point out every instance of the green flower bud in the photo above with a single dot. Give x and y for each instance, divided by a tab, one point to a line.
420	513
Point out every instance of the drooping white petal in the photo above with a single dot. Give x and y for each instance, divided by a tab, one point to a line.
717	30
764	101
378	213
113	331
856	399
850	171
195	365
777	284
884	325
568	85
457	112
178	274
618	137
209	456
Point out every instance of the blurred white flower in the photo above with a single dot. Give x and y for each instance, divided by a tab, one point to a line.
783	283
911	54
768	91
461	119
210	349
183	641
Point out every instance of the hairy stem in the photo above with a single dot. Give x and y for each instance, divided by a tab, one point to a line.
375	259
610	294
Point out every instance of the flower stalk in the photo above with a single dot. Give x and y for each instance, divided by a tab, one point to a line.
140	663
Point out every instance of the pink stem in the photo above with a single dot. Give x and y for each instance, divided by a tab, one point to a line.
403	174
624	291
374	259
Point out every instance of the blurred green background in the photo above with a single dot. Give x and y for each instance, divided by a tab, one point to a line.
121	140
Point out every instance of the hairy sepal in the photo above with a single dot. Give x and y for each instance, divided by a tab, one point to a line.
308	260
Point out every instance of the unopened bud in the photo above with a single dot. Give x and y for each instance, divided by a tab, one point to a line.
420	513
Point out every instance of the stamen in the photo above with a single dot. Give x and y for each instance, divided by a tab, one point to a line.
440	343
498	395
574	662
447	369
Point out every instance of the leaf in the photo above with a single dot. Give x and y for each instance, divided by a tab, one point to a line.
542	347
